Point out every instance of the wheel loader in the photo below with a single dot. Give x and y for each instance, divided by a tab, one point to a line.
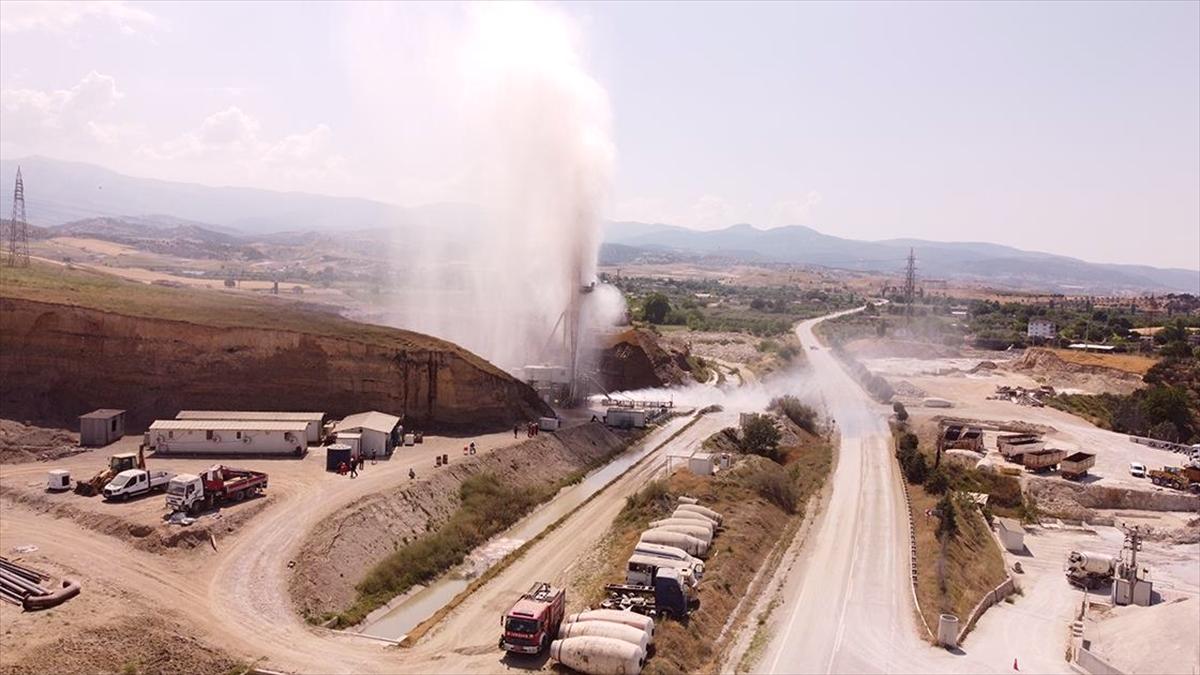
116	464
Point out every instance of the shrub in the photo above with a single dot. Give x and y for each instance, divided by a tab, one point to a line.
937	483
801	414
760	436
947	519
773	484
901	412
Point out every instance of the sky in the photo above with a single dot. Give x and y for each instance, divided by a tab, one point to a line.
1072	128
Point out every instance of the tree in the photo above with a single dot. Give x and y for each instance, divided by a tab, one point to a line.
901	412
760	436
947	519
656	308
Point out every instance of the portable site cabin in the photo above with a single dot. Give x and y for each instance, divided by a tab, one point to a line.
227	437
379	433
313	420
1012	535
625	419
101	427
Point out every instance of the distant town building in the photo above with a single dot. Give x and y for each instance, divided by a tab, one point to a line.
1041	328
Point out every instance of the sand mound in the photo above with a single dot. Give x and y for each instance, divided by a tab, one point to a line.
25	443
1048	367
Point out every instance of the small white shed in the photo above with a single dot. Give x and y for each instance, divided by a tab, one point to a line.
1012	535
701	464
379	433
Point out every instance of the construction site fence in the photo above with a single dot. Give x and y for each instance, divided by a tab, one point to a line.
990	598
1162	445
1092	664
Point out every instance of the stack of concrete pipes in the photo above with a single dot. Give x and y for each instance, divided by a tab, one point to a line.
604	642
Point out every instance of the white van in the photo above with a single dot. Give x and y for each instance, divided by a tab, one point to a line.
1137	469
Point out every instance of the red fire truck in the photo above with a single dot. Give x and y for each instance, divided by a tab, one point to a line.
532	623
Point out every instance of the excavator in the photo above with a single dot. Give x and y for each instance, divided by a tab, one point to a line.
116	464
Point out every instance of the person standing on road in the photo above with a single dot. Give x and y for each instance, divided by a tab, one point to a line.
342	468
411	474
354	468
515	427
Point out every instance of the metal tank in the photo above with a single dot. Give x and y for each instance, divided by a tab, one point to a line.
598	655
615	616
686	542
606	629
692	515
696	508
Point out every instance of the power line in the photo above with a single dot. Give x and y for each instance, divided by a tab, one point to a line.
18	229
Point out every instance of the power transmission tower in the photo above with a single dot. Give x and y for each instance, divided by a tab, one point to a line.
910	283
18	229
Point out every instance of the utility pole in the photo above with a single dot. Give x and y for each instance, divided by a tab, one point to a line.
17	240
910	284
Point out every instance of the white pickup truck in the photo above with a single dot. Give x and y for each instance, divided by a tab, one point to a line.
133	482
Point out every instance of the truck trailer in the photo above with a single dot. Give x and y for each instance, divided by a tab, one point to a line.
217	485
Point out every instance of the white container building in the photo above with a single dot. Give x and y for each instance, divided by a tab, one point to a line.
313	420
227	437
379	433
623	418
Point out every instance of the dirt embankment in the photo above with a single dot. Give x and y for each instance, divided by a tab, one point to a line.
638	359
24	443
1048	367
343	547
161	537
1077	502
58	361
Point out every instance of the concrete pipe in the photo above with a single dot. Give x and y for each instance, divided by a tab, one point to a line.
708	526
697	531
616	616
607	629
688	500
696	508
598	655
686	542
70	589
947	632
698	517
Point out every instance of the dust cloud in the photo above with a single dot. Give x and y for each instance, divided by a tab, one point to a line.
529	130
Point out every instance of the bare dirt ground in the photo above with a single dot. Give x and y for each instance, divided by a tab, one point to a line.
26	443
1035	627
217	592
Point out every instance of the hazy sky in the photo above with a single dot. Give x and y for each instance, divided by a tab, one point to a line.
1072	128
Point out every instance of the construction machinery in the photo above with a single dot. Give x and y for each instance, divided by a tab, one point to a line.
116	464
1185	478
533	621
1088	570
217	485
669	596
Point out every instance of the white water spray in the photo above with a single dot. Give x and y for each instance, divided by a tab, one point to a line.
535	127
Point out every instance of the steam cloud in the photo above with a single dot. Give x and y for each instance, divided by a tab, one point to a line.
534	130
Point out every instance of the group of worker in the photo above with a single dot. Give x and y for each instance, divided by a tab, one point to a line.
469	449
531	429
352	467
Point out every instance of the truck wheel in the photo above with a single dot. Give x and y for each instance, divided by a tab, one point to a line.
238	496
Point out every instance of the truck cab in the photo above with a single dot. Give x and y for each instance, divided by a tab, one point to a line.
642	570
532	623
184	492
672	595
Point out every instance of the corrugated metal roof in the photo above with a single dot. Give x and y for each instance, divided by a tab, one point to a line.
375	421
249	415
228	425
102	414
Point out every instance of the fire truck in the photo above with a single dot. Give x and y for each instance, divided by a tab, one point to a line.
532	623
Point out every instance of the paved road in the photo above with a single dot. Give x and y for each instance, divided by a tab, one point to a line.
848	606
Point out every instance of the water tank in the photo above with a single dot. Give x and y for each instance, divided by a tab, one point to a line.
598	655
692	515
696	508
608	629
616	616
686	542
335	455
698	531
707	526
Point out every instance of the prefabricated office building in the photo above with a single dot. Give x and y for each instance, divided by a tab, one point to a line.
313	420
371	433
227	437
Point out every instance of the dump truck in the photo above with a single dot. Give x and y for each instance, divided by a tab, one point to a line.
1088	570
1177	478
670	596
134	482
116	464
1013	446
1042	460
217	485
1075	465
532	623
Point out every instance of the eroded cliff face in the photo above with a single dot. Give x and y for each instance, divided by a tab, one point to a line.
636	359
58	361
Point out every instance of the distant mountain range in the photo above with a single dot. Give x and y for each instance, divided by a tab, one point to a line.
977	261
84	196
